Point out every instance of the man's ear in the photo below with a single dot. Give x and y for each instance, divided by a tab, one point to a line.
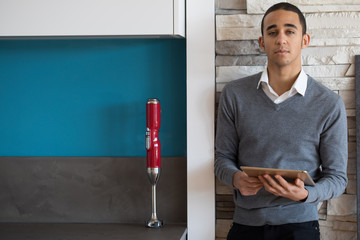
305	41
261	43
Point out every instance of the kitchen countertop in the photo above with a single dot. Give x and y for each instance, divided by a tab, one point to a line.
90	231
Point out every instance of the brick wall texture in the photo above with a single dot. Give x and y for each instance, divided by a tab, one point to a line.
334	27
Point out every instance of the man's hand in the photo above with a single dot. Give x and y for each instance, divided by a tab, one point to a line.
280	187
247	185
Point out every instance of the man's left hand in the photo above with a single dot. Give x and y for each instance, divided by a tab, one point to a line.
280	187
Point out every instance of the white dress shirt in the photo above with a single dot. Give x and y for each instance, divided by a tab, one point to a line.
299	86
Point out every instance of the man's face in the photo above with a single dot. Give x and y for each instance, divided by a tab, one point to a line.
283	39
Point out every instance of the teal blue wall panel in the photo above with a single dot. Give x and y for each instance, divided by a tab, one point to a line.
87	97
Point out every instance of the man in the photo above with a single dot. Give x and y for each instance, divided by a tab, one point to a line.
280	118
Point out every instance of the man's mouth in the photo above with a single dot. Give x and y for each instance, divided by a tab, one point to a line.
281	51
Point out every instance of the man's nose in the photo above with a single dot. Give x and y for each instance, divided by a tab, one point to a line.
281	38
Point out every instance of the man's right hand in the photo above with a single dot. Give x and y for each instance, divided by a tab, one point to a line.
247	185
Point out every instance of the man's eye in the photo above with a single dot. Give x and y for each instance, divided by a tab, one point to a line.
290	32
271	33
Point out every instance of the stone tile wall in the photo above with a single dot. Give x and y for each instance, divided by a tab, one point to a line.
334	27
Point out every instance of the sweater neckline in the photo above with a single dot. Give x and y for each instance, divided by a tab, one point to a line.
281	105
288	101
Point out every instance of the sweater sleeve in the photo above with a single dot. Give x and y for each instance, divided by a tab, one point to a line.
226	140
333	153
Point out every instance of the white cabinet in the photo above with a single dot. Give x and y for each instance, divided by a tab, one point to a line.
42	18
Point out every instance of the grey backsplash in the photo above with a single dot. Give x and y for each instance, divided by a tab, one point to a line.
89	190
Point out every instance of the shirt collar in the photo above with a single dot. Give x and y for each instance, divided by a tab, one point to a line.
299	85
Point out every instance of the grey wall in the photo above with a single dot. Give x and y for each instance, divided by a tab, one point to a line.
89	189
357	97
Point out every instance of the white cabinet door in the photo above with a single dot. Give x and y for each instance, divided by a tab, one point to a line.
89	17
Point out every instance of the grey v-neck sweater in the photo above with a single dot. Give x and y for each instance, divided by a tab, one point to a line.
304	132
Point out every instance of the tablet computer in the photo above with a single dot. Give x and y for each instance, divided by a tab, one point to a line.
285	173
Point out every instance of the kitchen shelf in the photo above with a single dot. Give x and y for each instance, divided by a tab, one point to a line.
92	18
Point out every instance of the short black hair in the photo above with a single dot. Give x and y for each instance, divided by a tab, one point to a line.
287	7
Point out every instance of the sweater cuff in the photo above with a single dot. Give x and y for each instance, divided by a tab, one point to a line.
312	196
228	180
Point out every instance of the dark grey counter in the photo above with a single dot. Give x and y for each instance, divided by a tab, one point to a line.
89	190
68	231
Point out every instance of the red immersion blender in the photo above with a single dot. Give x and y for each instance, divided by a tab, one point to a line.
153	161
